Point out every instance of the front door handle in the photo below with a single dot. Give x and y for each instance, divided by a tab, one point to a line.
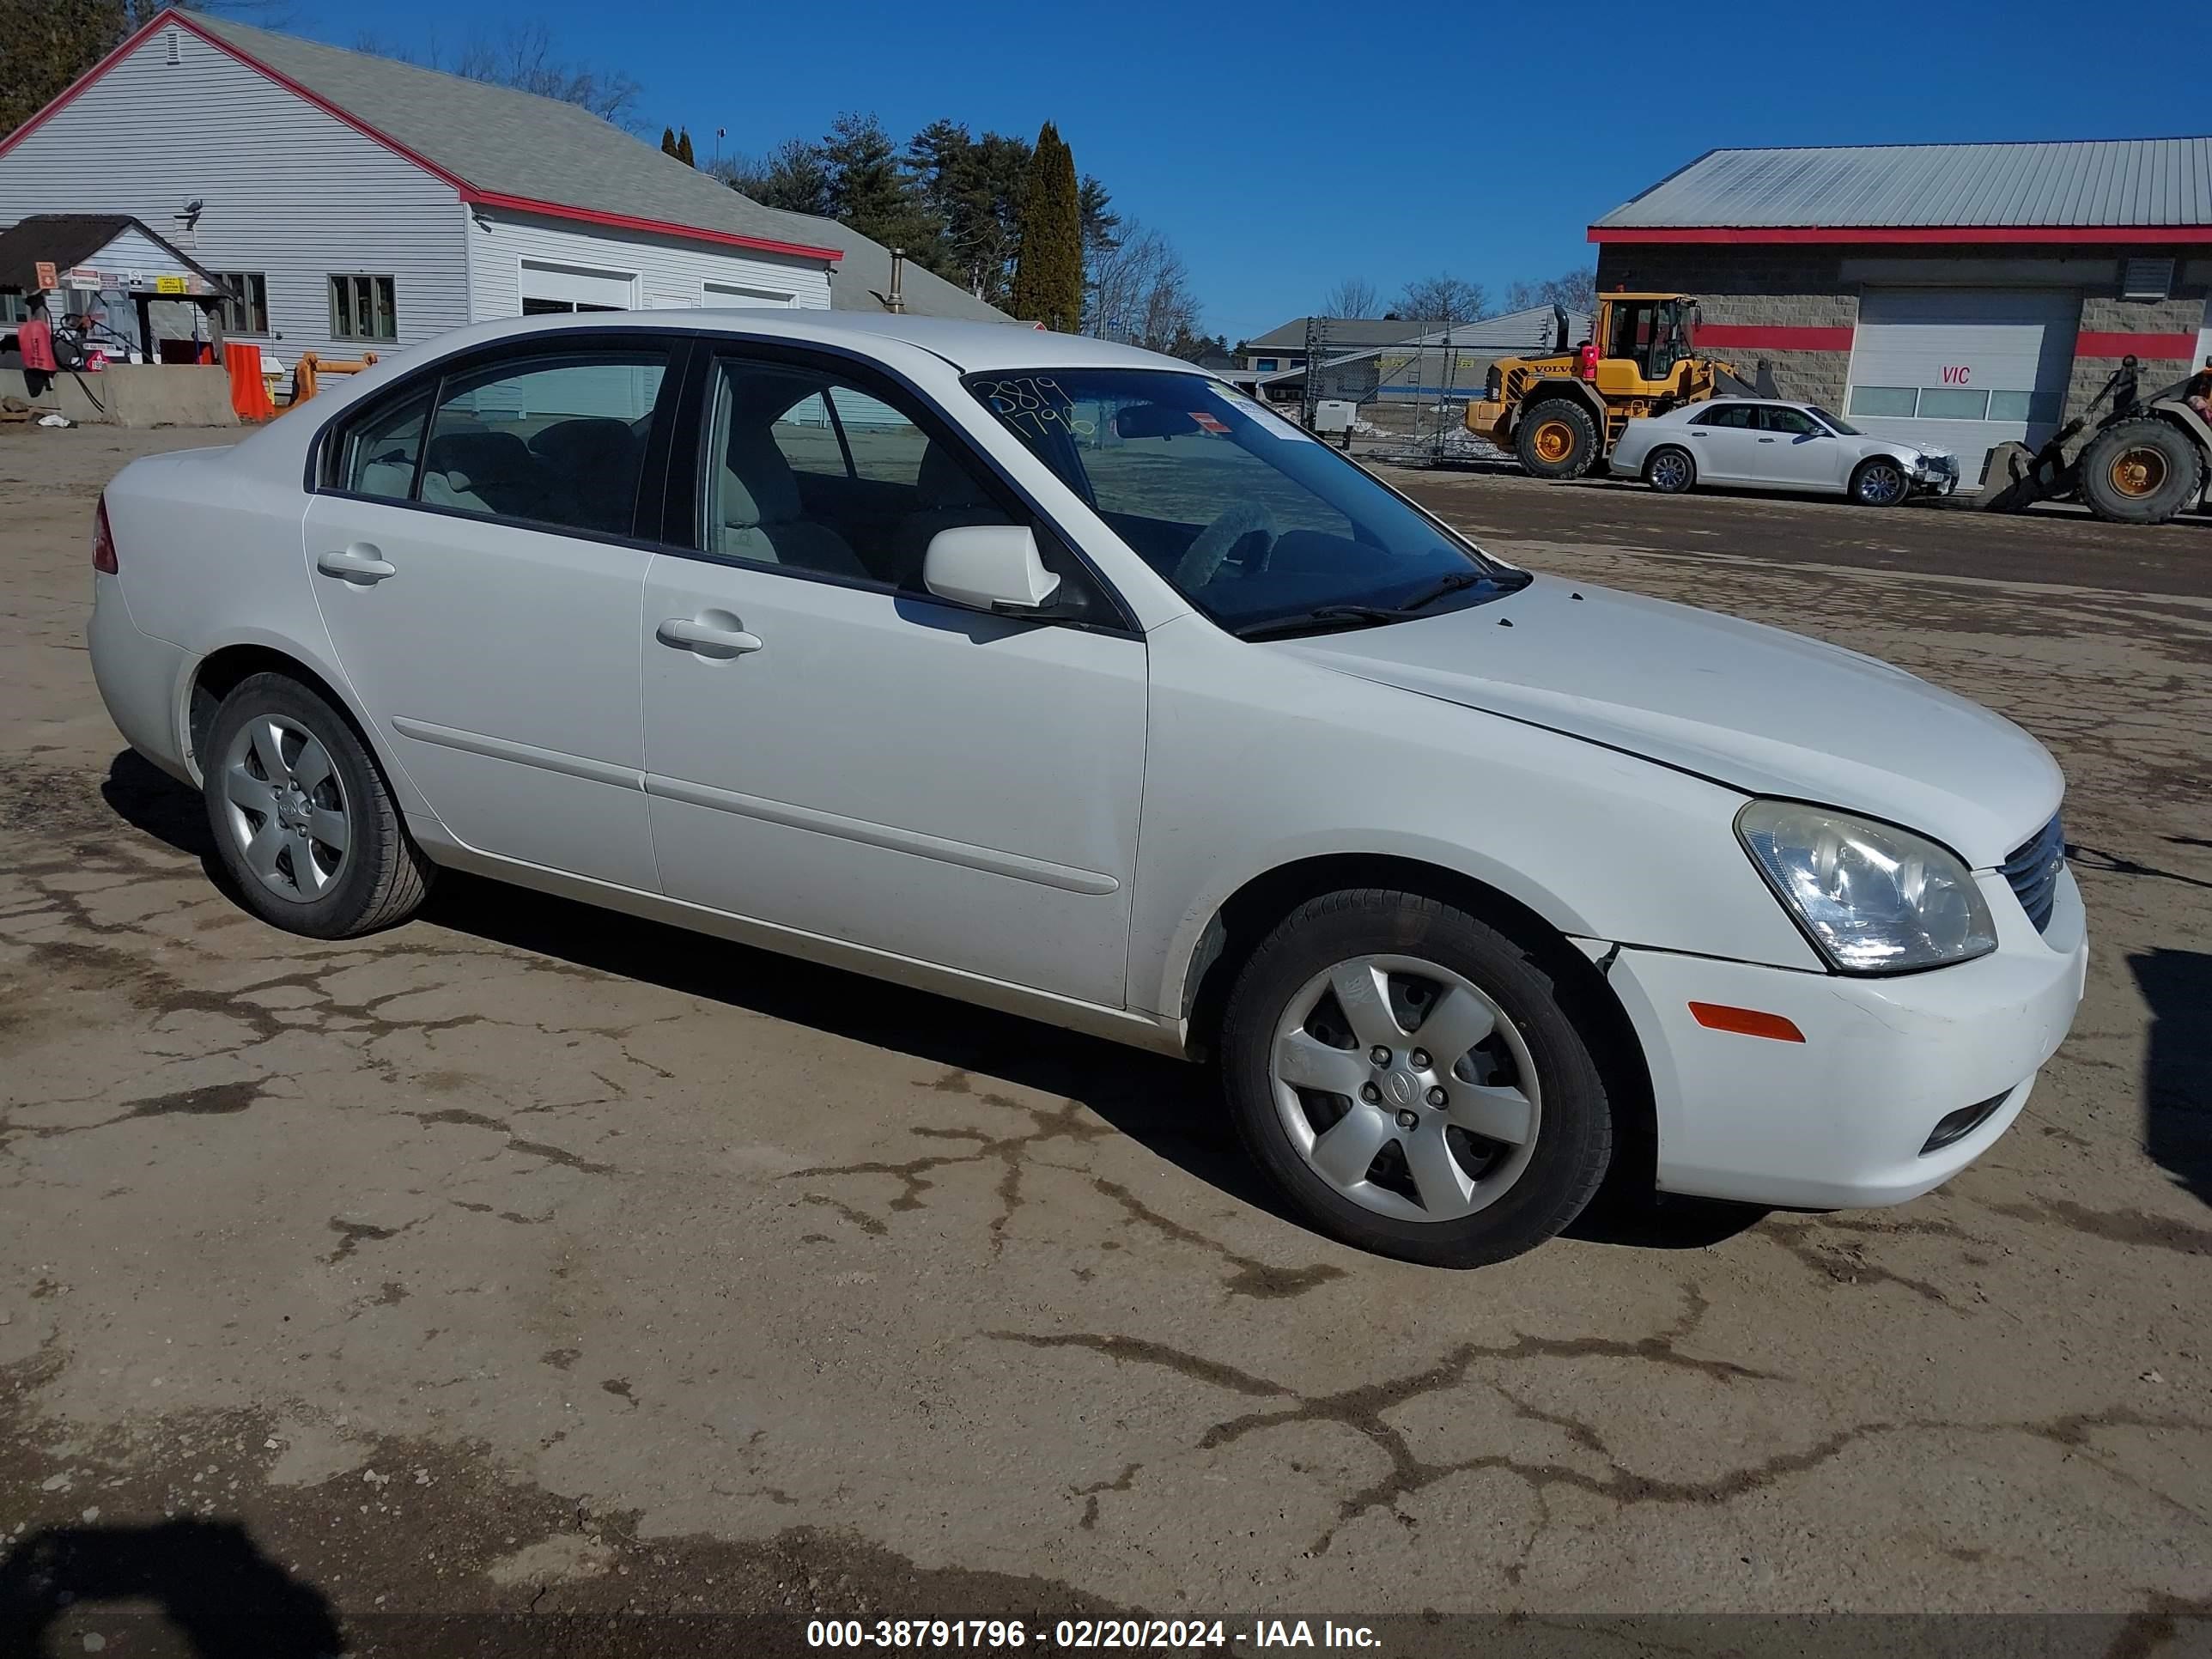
360	562
707	639
1766	440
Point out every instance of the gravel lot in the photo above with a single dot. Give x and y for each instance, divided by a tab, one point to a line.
531	1260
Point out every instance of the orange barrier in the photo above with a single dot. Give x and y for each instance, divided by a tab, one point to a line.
249	392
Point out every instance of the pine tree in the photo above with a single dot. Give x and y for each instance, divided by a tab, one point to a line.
1049	270
684	149
668	141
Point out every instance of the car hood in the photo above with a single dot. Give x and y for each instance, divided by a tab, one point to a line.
1764	711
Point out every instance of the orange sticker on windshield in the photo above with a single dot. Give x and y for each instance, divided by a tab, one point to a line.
1208	422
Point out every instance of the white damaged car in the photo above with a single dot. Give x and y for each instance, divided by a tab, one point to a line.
1057	676
1748	443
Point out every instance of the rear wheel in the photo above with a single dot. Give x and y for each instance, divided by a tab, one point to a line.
2140	471
1880	483
1557	439
1408	1079
303	821
1670	471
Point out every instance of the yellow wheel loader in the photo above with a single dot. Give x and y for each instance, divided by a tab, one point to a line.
1562	413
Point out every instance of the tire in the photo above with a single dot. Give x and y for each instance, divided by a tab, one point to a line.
1881	480
1448	1196
331	859
1671	470
1555	439
2140	471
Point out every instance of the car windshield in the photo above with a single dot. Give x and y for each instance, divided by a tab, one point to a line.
1262	527
1841	425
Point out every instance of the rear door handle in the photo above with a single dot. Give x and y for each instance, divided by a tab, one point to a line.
360	562
707	639
1766	440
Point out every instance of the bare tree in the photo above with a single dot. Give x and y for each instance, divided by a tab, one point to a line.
523	58
1442	299
1141	291
1355	296
1576	289
791	176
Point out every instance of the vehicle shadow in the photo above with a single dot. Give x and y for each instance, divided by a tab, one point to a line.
207	1580
2178	1064
1170	1108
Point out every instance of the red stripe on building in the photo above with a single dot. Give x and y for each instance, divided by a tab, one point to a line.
2087	345
1896	233
1748	337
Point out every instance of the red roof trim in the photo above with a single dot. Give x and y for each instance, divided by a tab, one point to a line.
1901	234
624	221
174	18
2093	344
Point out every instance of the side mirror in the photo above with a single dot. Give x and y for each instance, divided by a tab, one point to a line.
988	567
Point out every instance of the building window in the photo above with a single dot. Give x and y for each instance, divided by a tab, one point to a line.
1951	403
246	311
362	308
1878	400
12	308
532	306
1264	365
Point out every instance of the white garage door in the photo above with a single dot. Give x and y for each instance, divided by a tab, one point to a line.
1962	368
550	288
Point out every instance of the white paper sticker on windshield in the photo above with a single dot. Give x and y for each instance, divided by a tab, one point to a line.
1262	416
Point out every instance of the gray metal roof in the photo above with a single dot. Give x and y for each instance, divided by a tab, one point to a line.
2116	182
507	142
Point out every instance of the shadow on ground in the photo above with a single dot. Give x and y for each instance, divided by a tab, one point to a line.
1166	1106
206	1579
2178	1064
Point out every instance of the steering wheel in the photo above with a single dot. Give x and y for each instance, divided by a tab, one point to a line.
1203	559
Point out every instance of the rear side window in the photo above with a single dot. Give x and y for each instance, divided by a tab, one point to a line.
380	455
559	441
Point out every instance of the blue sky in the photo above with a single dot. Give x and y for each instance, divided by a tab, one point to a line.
1282	146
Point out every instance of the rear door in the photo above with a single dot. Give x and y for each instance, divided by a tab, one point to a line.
473	553
1721	440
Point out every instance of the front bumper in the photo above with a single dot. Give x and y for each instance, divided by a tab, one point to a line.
1841	1118
1939	473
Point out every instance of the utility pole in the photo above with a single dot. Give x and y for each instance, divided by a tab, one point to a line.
1316	343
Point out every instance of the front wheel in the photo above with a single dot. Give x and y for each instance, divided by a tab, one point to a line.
1407	1075
1670	471
303	821
1880	483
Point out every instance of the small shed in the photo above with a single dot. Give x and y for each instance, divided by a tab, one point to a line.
136	291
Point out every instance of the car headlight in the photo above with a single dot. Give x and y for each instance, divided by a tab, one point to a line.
1876	899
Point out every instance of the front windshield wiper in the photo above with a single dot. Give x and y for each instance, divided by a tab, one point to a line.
1319	617
1455	582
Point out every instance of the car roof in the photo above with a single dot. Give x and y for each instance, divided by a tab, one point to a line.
967	346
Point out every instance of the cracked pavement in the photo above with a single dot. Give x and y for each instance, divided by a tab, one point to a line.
530	1258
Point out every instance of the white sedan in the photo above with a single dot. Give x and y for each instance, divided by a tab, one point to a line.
1757	444
1058	677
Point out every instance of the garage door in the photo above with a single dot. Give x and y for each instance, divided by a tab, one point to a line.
549	288
1962	368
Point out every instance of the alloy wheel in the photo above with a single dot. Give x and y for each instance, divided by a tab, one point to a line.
1670	471
286	808
1405	1087
1882	485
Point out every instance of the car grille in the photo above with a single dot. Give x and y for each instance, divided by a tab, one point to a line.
2033	872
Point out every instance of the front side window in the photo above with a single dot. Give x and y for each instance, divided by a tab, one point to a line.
1260	526
363	308
1788	422
247	310
557	438
809	469
1836	424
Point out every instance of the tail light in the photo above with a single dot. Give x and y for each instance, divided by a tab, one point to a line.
103	541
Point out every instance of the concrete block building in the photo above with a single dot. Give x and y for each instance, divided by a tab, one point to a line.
1959	295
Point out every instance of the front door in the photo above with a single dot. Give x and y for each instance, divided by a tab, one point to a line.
830	749
468	551
1795	451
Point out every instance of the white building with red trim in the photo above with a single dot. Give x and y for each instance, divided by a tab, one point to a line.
354	203
1959	295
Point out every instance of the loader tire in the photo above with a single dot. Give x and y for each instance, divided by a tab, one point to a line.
1557	439
2140	471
